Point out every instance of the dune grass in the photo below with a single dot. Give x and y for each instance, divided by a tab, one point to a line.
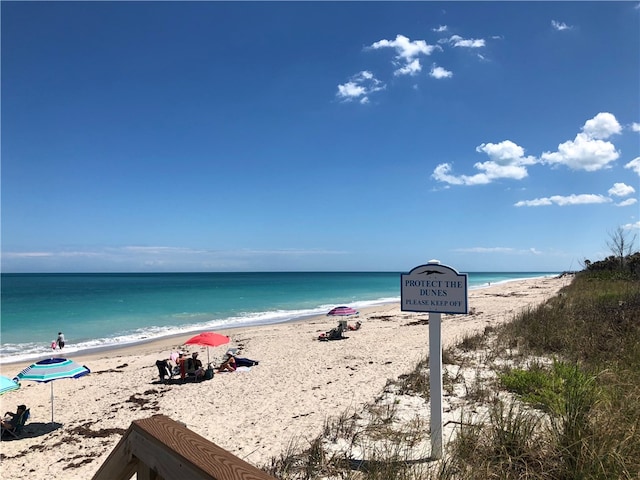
554	394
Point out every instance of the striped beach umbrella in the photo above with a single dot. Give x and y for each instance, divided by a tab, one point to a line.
342	312
52	369
6	384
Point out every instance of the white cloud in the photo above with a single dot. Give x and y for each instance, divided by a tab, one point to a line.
359	87
583	153
405	48
412	68
159	250
602	126
26	254
351	89
442	174
635	127
440	28
144	257
503	250
627	202
505	153
485	250
458	41
631	226
634	165
506	160
582	199
439	72
407	52
560	26
588	151
618	190
621	190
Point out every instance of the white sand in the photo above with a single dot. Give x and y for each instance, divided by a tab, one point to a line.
299	383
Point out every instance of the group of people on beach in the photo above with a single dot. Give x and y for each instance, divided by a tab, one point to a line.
180	364
187	366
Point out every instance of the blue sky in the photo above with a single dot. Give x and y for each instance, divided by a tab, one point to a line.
241	136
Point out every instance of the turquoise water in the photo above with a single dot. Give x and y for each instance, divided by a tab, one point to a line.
98	310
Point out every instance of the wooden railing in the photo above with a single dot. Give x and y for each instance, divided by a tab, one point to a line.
159	448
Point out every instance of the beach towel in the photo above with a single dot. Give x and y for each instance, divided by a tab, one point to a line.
239	369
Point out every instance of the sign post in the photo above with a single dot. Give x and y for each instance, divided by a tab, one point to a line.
436	289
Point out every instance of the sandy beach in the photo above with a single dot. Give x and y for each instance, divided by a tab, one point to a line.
298	384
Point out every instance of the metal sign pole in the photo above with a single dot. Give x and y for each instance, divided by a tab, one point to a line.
435	383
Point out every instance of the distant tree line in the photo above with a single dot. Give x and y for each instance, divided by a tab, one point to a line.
625	258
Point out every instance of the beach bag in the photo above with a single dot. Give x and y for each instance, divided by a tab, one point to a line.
208	373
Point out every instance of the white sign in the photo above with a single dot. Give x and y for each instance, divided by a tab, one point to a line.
434	288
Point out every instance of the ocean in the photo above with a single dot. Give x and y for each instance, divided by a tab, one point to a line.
106	310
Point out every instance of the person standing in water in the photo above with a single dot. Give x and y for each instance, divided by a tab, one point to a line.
60	340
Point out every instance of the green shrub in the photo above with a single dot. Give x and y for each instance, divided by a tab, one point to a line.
586	420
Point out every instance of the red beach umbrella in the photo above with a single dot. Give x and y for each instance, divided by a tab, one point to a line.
208	339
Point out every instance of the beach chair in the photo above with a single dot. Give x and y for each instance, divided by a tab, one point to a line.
333	334
16	432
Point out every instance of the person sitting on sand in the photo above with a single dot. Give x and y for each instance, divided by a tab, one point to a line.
229	365
182	365
12	423
356	327
195	366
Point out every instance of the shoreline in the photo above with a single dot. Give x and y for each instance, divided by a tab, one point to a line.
93	351
177	338
164	343
256	415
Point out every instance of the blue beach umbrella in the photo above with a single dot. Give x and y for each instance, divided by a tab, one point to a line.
6	384
52	369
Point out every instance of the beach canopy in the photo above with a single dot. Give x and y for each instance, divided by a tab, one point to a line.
342	312
208	339
6	384
52	369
